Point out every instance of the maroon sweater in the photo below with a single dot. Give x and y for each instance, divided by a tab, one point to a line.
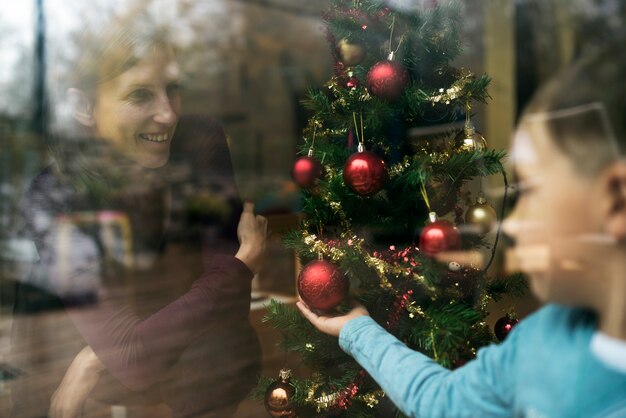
195	349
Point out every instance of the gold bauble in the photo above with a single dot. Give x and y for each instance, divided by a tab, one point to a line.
469	139
481	217
278	397
351	53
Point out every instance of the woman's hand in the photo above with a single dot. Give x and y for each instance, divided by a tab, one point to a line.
331	324
252	234
79	380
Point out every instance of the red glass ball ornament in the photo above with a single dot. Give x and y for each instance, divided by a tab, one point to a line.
322	285
439	236
306	171
503	327
365	173
279	395
387	80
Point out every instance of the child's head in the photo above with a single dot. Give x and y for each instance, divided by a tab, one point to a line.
569	153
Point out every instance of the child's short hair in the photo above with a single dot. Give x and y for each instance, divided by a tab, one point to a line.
584	109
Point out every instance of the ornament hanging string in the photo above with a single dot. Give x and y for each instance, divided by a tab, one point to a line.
362	130
360	138
310	153
393	24
423	191
356	128
391	51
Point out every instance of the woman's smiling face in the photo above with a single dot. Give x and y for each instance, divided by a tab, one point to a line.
138	110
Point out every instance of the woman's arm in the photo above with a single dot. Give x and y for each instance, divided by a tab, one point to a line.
139	352
152	350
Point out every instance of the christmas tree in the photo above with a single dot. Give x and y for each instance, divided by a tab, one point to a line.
383	166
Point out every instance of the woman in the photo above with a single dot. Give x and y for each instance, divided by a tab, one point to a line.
98	217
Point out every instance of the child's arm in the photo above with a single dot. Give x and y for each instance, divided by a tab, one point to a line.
414	382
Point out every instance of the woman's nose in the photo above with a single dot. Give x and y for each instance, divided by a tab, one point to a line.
165	112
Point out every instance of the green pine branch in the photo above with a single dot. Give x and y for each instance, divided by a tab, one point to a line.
514	285
444	318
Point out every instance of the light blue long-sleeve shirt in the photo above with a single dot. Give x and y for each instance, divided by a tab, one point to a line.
545	368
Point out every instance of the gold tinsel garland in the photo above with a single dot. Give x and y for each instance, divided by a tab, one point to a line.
325	401
382	268
456	90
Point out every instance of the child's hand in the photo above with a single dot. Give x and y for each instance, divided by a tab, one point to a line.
252	234
331	325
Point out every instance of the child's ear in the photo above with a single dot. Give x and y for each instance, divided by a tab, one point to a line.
81	107
615	187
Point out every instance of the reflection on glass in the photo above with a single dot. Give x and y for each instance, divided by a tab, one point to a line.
132	286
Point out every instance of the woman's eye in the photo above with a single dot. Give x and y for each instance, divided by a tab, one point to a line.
140	95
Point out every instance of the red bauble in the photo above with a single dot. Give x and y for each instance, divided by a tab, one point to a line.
439	236
504	326
365	173
322	285
387	79
306	172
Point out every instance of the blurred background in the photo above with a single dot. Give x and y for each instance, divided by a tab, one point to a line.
249	63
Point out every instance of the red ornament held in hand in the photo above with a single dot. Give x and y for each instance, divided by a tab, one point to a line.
365	172
439	236
322	285
387	79
306	171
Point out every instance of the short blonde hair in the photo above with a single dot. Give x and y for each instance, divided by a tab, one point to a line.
115	49
584	109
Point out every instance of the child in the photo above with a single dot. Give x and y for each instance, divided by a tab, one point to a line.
569	358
